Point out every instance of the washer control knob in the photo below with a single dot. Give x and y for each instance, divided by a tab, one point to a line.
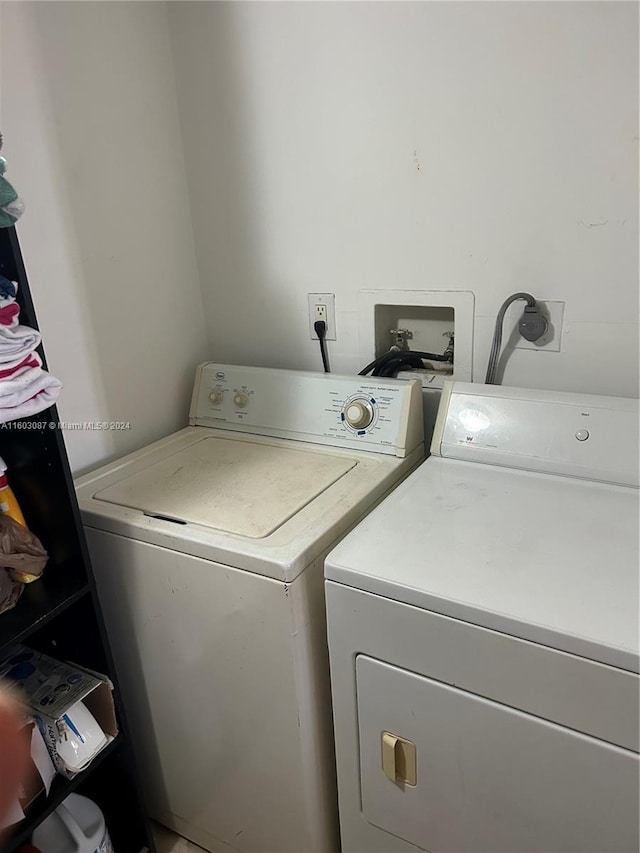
358	414
240	399
216	396
582	434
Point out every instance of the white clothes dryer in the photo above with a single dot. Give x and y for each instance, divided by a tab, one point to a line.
208	549
483	633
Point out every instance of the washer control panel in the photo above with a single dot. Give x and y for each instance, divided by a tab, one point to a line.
380	415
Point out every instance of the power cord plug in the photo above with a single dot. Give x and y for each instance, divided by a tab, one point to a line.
321	331
492	367
533	324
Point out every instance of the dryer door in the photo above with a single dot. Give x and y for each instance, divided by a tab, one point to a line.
487	777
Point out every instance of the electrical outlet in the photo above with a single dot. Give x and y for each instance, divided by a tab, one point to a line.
551	341
322	306
320	312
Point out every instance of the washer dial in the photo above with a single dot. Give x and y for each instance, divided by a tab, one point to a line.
240	399
216	396
358	413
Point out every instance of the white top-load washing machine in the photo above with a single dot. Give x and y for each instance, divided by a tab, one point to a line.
208	550
483	635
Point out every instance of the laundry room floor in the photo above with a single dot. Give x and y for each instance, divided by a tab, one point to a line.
168	842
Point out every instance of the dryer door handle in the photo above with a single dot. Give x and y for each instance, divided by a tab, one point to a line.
398	759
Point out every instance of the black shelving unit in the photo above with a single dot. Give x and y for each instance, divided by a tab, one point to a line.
60	613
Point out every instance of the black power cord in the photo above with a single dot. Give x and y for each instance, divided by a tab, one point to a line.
321	331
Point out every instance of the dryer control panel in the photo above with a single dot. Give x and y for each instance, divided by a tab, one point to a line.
361	412
553	432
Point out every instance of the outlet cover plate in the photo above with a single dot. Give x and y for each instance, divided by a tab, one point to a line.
552	339
328	299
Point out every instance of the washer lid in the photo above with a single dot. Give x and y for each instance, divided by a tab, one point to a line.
237	487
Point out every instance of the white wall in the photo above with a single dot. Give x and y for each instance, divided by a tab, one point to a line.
489	147
93	143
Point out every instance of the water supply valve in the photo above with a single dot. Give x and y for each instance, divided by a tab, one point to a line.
402	336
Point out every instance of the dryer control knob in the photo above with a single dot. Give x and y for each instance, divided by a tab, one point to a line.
216	396
240	400
358	414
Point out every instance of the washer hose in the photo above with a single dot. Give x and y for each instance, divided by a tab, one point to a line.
391	362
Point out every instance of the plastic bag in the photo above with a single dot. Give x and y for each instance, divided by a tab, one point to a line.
22	560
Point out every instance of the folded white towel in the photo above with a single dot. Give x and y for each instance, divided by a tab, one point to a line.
29	391
16	342
25	388
8	369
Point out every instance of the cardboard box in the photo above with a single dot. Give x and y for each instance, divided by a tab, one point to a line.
50	687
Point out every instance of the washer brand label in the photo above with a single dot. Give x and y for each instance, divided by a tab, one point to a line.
220	374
